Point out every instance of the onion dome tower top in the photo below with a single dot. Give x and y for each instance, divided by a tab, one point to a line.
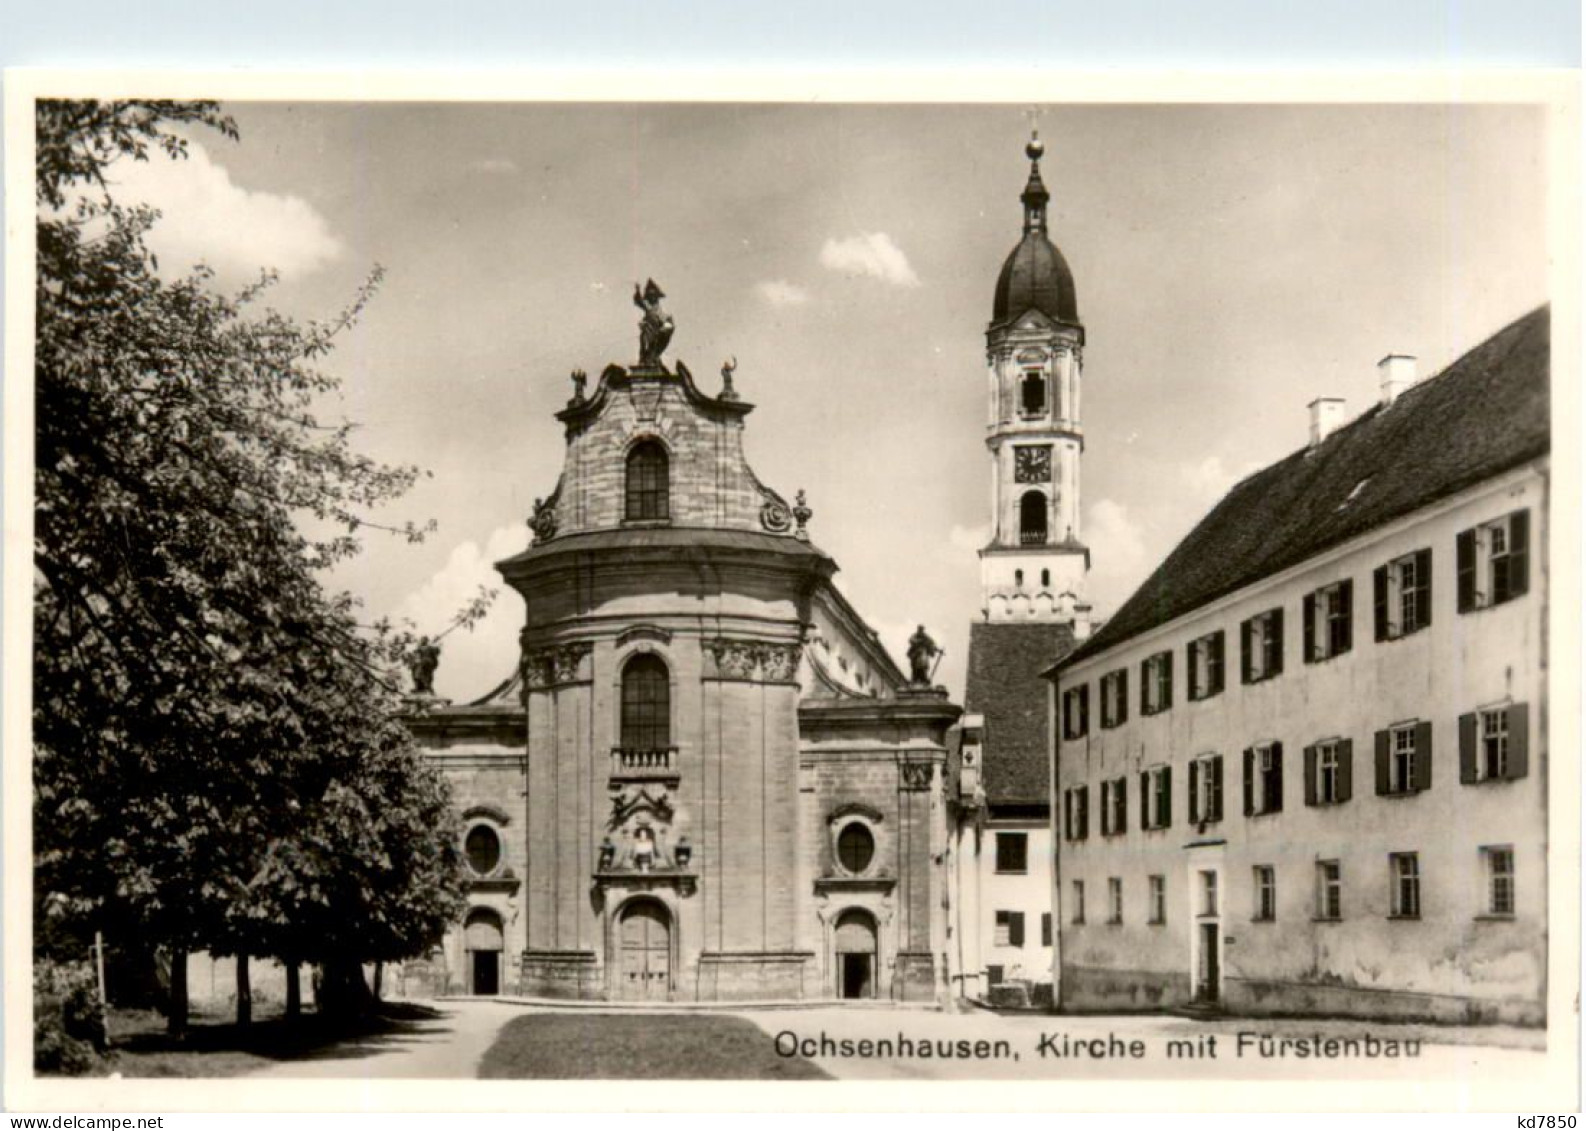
1035	276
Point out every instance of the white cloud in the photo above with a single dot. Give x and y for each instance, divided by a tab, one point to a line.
209	219
873	254
1119	559
970	537
471	662
781	293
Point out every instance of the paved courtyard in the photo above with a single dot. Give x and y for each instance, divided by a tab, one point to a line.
501	1039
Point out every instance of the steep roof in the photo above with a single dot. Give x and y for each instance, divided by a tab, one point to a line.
1486	413
1004	686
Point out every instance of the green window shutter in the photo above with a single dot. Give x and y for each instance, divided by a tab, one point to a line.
1379	589
1120	800
1423	755
1145	681
1382	762
1250	781
1216	665
1167	680
1145	808
1194	801
1165	796
1346	611
1310	775
1015	928
1465	569
1217	788
1467	749
1277	777
1245	666
1518	737
1046	928
1519	552
1346	769
1123	696
1275	644
1308	629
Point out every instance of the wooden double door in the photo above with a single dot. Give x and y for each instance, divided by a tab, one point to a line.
644	952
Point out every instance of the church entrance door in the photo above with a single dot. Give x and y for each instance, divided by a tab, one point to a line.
484	942
644	952
856	955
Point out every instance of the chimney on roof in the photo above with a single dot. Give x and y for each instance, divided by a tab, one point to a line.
1327	414
1396	373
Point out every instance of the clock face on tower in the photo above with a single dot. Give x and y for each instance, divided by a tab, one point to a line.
1032	465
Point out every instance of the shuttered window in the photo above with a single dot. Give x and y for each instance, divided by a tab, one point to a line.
1402	595
1492	562
1261	646
1206	666
1328	615
1263	779
1493	744
1156	683
1328	772
1206	789
1404	759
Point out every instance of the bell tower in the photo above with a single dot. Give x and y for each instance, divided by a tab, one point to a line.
1033	570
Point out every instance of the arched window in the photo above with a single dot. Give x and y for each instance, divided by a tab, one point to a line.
1046	579
482	846
856	847
646	704
1032	518
1032	394
1018	579
648	489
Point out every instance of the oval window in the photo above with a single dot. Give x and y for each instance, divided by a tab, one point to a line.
856	846
483	849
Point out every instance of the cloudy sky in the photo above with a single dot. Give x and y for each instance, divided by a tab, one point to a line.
1232	264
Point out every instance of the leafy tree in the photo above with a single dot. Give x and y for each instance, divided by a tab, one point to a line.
215	761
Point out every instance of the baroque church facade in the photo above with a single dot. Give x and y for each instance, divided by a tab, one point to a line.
707	779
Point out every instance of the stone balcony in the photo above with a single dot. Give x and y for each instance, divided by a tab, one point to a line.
644	763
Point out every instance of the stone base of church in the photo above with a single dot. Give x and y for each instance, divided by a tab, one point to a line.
757	975
914	976
561	974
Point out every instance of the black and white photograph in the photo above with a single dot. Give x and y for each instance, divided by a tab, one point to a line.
1015	592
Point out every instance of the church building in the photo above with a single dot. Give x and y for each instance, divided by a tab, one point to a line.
707	780
1033	611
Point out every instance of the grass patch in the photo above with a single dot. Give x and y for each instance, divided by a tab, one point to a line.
215	1046
633	1046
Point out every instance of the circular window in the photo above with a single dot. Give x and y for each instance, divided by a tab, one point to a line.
483	849
856	847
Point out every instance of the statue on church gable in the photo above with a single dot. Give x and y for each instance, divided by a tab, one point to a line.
728	368
580	379
923	653
422	663
655	328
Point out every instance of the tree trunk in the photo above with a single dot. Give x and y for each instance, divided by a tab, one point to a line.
176	1008
342	991
244	993
294	991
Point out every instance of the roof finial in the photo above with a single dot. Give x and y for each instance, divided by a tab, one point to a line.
1035	196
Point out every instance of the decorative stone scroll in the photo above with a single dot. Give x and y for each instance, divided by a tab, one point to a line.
543	524
556	665
916	775
775	517
751	660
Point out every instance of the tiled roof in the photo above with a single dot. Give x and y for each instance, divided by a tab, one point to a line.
1486	413
1005	686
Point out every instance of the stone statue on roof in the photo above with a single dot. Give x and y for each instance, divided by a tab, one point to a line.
655	328
422	663
922	654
